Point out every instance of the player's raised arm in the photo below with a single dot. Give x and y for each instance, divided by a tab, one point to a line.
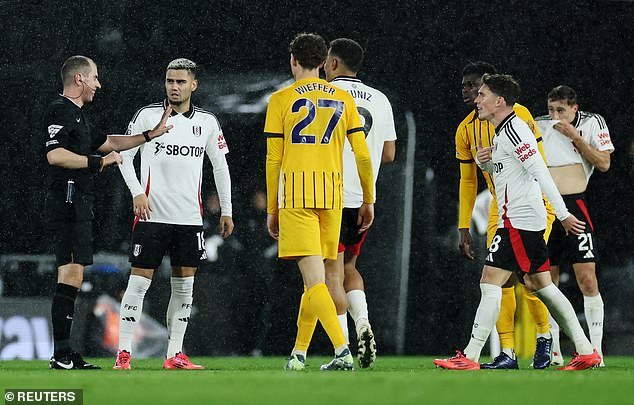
124	142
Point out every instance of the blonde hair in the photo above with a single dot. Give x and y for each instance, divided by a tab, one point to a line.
183	64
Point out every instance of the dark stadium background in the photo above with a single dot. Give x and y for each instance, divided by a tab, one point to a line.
415	53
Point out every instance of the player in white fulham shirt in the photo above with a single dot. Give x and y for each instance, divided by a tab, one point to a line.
168	208
342	277
575	142
519	175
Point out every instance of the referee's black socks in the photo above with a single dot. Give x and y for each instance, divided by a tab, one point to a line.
62	311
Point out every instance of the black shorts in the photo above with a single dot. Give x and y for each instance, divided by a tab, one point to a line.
151	241
519	251
70	227
350	240
575	248
72	242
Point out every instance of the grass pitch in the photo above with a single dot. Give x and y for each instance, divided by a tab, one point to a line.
393	380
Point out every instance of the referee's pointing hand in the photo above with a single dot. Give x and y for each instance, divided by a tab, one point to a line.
112	158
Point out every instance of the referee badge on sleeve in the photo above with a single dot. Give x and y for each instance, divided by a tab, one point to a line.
54	129
137	250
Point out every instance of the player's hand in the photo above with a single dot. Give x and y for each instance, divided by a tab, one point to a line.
226	226
483	154
567	129
466	243
366	217
573	226
160	128
272	223
112	158
141	207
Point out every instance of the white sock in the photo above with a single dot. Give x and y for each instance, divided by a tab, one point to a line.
486	315
178	312
343	321
509	352
554	329
358	308
340	349
593	308
564	314
299	352
131	309
546	335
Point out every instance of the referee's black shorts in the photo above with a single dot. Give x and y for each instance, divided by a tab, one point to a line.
69	227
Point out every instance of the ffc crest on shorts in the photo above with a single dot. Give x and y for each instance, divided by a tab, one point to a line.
137	250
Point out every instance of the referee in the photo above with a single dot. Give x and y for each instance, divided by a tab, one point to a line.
70	152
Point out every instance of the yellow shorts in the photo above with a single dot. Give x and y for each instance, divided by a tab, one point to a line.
493	222
309	232
550	218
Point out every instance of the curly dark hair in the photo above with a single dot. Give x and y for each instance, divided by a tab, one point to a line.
309	50
504	86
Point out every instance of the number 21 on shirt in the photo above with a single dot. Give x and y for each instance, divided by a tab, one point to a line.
298	136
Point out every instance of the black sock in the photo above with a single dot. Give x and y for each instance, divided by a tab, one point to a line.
62	311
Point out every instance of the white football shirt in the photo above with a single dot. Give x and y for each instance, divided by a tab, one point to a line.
561	151
378	120
520	175
172	165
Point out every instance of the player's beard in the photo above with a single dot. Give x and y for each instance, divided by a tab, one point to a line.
179	102
176	103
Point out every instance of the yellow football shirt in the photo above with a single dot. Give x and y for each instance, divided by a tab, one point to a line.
470	130
305	127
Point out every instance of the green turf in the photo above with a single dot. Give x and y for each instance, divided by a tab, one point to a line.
394	380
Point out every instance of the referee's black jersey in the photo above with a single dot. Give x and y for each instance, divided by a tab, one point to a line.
65	126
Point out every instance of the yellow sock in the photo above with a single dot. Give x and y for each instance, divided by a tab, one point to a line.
306	322
321	304
506	321
538	310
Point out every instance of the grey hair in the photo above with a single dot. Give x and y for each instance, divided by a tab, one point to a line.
183	64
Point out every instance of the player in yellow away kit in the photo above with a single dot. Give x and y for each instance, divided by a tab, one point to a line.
470	130
306	125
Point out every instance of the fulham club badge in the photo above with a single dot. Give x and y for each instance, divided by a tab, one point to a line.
197	130
137	250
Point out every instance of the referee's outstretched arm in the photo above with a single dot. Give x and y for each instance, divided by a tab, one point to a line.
70	160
